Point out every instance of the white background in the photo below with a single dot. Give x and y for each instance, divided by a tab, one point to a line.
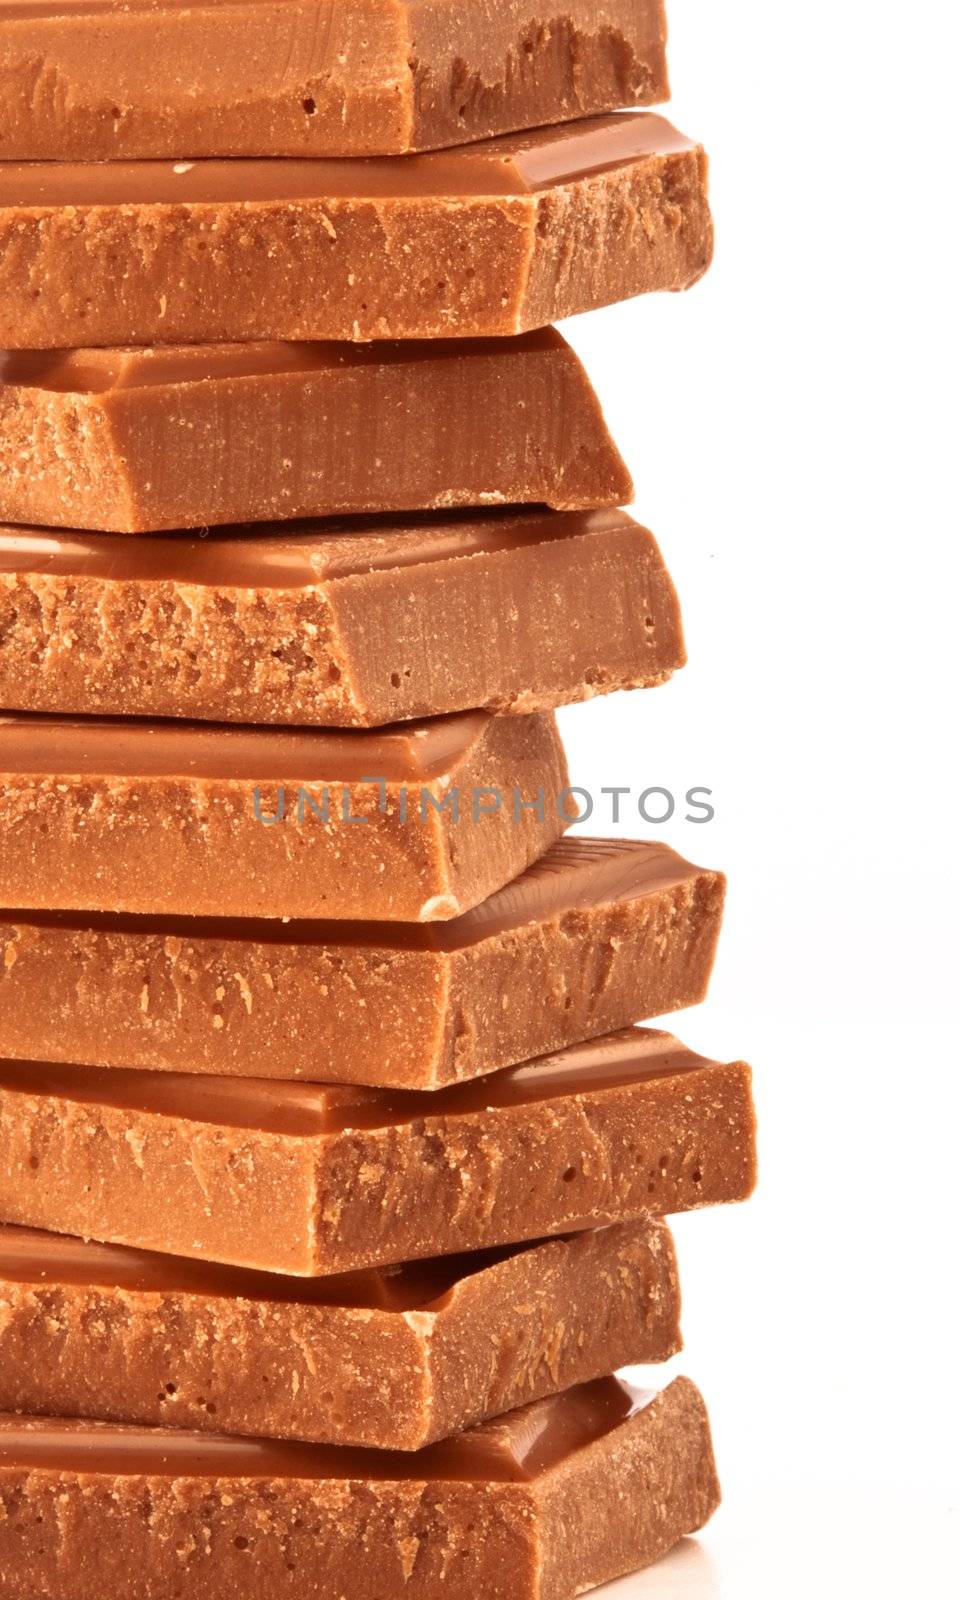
790	424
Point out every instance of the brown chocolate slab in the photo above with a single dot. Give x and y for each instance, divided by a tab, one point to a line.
359	627
172	436
145	78
596	934
541	1505
392	1358
311	1180
493	238
410	824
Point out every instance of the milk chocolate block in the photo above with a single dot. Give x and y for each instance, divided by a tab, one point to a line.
134	441
393	1359
597	934
369	625
310	1180
492	238
94	80
417	823
543	1504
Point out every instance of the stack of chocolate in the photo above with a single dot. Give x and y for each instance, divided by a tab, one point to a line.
332	1165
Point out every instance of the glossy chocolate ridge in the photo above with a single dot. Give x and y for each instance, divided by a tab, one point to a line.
103	370
574	874
307	1111
291	555
514	1449
33	1256
35	743
513	165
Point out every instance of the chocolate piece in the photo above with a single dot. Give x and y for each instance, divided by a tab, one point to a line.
596	934
416	823
87	80
392	1359
311	1180
134	441
540	1505
493	238
352	628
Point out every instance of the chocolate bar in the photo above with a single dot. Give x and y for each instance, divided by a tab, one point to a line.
392	1359
492	238
597	934
311	1180
358	627
543	1504
415	824
90	80
134	441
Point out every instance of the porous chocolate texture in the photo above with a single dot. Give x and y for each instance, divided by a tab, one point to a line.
308	1180
351	627
491	238
596	934
392	1358
541	1505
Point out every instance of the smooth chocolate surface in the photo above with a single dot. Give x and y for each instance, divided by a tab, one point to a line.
161	437
575	874
32	1256
517	164
518	1450
493	238
309	1111
359	626
410	824
104	79
541	1505
126	747
312	1180
55	1260
392	1358
93	371
596	934
295	555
